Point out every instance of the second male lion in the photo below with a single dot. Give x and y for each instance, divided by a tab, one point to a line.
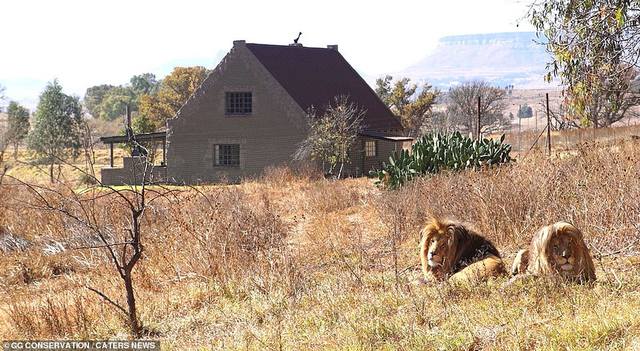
556	250
453	251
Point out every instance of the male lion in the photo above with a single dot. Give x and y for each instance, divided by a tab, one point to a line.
452	251
556	250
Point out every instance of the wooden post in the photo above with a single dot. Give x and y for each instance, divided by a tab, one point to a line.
548	127
478	131
111	154
128	117
519	132
164	151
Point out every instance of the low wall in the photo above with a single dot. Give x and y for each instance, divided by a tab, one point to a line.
131	173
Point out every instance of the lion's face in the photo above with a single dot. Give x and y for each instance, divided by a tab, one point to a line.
563	253
438	247
560	249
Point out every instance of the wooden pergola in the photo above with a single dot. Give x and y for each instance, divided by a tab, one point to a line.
146	137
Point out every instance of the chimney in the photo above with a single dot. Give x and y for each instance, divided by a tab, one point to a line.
239	42
333	47
296	44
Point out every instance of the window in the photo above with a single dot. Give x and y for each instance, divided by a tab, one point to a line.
370	148
238	103
226	155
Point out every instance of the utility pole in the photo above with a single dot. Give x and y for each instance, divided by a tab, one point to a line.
478	131
548	127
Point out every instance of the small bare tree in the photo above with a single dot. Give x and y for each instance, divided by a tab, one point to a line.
86	210
332	135
462	107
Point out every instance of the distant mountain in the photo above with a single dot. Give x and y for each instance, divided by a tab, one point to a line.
500	58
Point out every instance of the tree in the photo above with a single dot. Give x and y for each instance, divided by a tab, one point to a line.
595	49
332	135
525	111
413	109
57	126
18	121
114	103
145	83
108	102
462	108
94	210
94	96
509	89
141	124
173	92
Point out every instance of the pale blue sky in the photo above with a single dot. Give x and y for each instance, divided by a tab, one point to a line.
85	43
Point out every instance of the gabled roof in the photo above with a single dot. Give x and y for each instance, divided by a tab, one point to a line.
314	76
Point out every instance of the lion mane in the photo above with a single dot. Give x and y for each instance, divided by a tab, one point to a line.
454	251
556	250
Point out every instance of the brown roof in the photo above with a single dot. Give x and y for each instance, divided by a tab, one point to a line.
314	76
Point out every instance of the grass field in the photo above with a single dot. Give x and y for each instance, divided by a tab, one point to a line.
298	263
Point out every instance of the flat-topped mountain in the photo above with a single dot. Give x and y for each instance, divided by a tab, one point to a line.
501	58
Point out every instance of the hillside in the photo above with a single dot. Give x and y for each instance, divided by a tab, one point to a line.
501	58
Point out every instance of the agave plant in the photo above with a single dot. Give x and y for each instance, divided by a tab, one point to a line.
433	153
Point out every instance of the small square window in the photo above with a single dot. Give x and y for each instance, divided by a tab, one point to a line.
370	148
238	103
226	155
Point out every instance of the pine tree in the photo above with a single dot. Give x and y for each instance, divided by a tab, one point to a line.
18	121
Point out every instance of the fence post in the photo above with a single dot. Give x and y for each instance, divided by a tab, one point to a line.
548	127
519	132
478	131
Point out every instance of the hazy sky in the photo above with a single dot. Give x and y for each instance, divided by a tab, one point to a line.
85	43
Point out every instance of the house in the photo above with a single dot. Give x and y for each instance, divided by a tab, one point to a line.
250	113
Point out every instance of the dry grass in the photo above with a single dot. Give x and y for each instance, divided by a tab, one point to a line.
293	262
28	168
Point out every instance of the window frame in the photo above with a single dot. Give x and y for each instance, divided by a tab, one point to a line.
238	103
367	148
226	160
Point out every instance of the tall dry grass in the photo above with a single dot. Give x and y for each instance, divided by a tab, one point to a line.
294	262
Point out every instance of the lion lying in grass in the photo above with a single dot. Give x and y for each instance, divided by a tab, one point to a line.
556	250
452	251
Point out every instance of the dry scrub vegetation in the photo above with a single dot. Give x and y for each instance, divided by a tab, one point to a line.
292	262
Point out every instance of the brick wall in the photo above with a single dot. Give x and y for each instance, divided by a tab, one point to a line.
361	164
268	136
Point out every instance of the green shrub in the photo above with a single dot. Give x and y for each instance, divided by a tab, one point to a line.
433	153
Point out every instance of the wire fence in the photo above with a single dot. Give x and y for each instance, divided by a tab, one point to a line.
567	139
526	134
